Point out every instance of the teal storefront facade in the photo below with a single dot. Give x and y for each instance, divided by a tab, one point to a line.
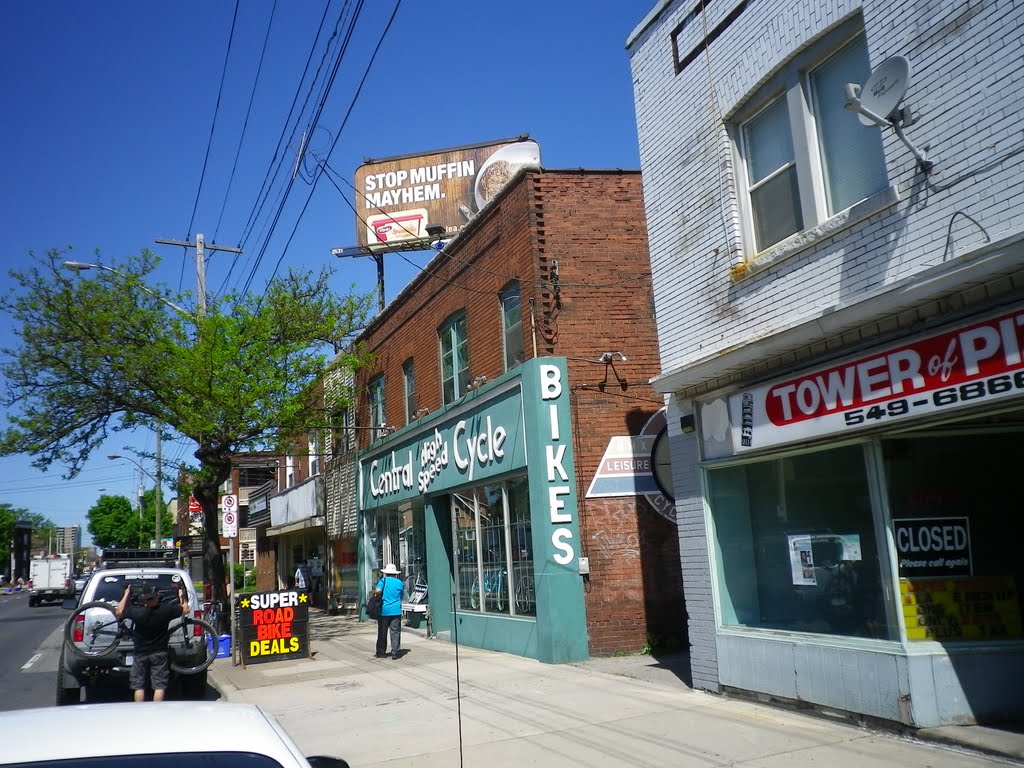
477	506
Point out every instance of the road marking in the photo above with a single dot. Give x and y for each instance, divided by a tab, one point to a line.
31	661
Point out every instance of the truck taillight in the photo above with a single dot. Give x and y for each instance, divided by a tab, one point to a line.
67	583
197	631
78	634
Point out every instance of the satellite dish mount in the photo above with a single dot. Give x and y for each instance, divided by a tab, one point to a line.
878	102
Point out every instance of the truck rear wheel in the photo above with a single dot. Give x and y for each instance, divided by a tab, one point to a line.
66	696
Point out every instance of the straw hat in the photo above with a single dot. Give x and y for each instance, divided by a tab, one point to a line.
390	570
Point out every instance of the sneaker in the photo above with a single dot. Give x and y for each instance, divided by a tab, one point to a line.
394	656
379	655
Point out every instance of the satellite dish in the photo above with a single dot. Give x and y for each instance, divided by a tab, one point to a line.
885	88
878	102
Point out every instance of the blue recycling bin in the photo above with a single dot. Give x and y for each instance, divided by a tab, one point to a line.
223	647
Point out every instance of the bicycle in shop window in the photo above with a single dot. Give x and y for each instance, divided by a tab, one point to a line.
494	589
525	597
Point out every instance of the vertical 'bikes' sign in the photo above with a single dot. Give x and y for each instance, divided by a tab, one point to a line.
274	626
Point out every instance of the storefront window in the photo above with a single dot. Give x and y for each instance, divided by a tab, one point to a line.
795	545
414	553
492	535
957	532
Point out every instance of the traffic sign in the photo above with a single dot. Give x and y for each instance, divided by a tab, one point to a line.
229	504
194	507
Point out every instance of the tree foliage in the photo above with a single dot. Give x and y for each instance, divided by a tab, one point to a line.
113	522
8	516
104	351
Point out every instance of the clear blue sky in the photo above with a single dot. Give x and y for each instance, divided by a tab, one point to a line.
109	106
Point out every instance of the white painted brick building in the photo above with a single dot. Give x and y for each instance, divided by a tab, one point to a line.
790	244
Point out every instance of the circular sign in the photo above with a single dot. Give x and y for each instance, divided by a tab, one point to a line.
229	518
229	503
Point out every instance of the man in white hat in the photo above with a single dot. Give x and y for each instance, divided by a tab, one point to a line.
391	588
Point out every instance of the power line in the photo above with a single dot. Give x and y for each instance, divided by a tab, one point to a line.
245	125
337	137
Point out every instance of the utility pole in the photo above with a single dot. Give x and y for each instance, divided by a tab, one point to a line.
201	248
159	482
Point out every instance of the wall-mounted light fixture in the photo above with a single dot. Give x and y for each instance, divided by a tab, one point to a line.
476	381
686	423
608	357
420	412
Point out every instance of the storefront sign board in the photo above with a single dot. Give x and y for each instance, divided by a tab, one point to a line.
471	446
627	468
961	608
273	626
970	365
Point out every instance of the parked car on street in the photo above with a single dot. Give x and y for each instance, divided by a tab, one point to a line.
167	735
97	648
80	581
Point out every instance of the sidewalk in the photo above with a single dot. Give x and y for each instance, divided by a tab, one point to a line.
512	711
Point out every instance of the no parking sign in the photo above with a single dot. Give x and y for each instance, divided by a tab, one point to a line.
230	517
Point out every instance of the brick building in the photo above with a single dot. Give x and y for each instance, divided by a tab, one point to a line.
531	335
840	340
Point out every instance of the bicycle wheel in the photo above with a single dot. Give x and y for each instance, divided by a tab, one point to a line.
499	596
93	630
474	597
524	597
193	646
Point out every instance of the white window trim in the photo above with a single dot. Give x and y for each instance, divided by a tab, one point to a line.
792	82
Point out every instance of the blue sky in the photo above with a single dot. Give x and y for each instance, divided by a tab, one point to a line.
109	107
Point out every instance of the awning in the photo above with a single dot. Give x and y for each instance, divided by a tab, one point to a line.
317	521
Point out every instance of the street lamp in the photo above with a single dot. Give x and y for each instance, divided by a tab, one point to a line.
81	266
158	480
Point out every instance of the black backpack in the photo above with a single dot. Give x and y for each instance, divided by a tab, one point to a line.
374	604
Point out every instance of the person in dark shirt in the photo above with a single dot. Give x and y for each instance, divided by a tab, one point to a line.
150	620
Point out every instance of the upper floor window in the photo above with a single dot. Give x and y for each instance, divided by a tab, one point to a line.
805	157
314	453
409	378
376	390
342	435
454	358
289	470
512	324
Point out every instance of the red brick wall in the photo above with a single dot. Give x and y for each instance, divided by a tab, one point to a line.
576	241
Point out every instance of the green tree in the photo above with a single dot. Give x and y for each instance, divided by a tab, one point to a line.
8	516
113	523
108	352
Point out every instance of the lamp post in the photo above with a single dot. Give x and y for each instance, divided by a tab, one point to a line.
158	480
81	266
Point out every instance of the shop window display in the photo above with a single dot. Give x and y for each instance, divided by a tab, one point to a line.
492	542
957	532
796	547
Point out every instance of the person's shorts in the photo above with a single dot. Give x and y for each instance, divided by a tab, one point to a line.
156	666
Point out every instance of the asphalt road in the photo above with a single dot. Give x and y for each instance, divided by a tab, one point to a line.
30	641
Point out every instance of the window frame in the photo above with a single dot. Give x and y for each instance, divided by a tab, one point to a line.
314	443
510	290
792	82
376	406
409	385
447	333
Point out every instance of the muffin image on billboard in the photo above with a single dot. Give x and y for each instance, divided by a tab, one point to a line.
498	169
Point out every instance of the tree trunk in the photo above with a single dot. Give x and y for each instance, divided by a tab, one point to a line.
206	493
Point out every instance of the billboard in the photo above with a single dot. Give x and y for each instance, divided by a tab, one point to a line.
398	198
